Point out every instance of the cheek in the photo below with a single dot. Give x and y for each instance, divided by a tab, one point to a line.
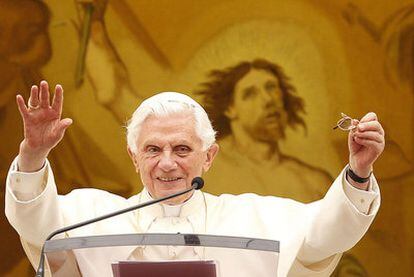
201	162
242	105
186	163
250	104
146	165
192	165
248	110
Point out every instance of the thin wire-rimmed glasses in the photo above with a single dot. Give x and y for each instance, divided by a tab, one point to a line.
345	123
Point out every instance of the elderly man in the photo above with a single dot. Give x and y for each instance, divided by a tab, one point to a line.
171	141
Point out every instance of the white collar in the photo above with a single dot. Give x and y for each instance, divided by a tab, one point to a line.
170	210
194	209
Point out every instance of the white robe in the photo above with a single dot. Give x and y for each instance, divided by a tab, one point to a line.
312	236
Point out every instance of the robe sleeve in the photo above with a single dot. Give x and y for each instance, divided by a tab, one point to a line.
337	222
32	207
32	200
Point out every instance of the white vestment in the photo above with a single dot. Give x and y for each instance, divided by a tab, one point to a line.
311	236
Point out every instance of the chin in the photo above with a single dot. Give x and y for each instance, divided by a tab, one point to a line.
173	201
273	134
168	191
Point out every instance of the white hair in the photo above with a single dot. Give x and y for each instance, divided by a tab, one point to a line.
166	103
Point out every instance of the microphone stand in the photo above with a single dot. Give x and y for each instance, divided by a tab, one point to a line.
196	183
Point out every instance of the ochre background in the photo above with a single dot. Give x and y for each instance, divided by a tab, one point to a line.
341	56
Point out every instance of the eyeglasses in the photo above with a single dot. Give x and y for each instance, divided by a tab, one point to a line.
345	123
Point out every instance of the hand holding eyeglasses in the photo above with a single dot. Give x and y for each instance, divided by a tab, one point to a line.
366	141
346	123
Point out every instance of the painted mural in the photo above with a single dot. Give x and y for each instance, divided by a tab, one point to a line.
274	77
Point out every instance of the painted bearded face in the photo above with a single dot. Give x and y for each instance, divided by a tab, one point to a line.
258	106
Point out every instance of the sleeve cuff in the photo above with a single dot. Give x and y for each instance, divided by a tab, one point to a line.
361	199
27	185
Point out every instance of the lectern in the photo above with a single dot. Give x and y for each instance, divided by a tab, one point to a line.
127	255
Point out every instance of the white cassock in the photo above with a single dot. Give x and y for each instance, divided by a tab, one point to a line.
312	236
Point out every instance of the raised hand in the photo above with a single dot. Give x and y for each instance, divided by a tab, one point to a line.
43	126
366	143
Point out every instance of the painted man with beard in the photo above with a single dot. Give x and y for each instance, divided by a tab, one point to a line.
251	105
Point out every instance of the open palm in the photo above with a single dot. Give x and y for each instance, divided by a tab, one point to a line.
43	126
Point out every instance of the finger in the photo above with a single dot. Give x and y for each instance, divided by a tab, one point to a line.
369	117
369	143
44	94
370	135
370	126
58	99
63	125
355	122
34	97
351	139
21	105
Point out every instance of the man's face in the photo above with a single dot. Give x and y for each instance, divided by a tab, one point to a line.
258	106
170	155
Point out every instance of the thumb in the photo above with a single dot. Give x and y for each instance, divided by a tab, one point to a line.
63	125
369	117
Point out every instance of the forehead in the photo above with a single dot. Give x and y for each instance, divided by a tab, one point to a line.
255	77
166	129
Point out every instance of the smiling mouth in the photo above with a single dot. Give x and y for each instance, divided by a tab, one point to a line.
170	179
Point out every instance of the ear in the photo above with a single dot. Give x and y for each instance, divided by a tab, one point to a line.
230	112
211	154
133	158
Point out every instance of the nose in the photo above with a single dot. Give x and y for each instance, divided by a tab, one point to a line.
266	98
167	162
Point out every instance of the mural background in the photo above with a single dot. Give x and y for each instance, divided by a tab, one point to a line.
339	56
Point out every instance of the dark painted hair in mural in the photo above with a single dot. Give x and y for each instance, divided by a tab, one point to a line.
218	94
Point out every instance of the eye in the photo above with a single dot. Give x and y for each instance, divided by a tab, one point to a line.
249	93
182	150
152	149
270	86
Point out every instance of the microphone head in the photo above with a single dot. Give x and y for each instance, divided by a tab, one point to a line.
197	183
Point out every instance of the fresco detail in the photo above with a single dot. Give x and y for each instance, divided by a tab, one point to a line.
270	99
251	104
395	35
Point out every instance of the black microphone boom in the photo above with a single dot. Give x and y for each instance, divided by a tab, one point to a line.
196	184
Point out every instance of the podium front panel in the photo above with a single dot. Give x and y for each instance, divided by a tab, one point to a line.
93	256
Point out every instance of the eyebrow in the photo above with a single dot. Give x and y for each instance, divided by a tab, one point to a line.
179	142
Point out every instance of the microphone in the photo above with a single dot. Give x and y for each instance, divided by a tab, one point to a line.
196	184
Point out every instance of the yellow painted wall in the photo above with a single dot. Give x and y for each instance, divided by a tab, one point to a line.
340	56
